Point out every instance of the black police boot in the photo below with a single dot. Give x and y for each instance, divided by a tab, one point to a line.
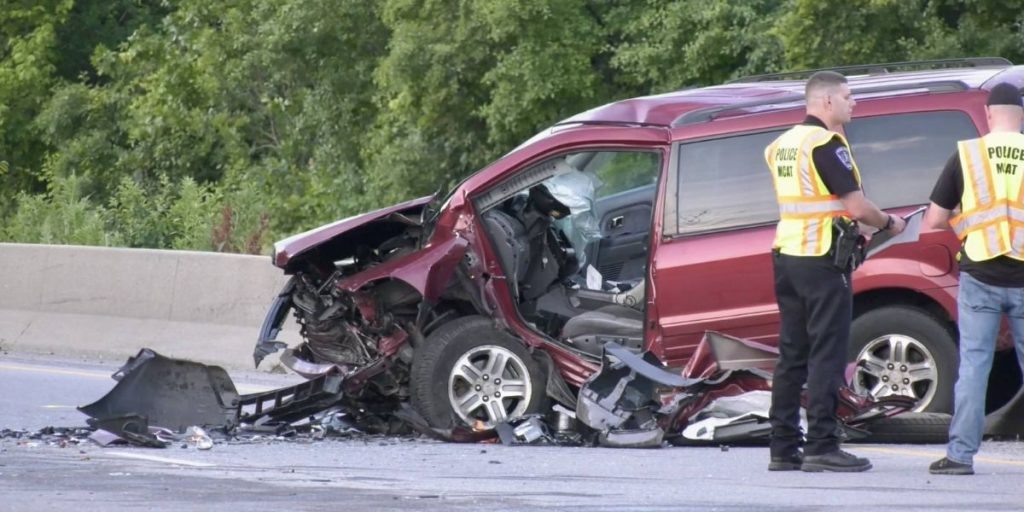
786	463
837	461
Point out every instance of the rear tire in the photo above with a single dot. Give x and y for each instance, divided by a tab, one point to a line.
910	428
905	351
470	373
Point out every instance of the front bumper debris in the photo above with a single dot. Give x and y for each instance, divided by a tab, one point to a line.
169	393
722	397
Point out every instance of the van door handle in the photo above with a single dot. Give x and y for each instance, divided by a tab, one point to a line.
617	222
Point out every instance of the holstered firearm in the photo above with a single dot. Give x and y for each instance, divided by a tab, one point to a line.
847	245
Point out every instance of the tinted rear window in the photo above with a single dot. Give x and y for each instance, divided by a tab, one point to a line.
724	183
901	156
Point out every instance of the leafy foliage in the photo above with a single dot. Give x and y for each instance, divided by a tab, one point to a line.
226	125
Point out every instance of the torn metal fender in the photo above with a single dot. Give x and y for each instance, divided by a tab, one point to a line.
170	393
427	270
556	386
267	342
717	352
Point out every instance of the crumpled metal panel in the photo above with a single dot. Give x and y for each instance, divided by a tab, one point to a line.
622	400
170	393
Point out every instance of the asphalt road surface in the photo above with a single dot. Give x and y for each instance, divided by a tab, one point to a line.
375	473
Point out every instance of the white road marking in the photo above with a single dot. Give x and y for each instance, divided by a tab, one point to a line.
167	460
242	388
54	371
937	453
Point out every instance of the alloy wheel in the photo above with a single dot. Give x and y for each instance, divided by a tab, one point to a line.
897	365
488	385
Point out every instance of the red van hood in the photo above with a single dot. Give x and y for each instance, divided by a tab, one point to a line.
285	250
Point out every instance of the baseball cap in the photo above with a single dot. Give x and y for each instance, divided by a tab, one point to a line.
1004	94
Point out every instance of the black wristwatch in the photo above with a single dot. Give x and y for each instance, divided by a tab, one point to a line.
888	223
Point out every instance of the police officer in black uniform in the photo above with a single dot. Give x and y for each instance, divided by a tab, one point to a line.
817	184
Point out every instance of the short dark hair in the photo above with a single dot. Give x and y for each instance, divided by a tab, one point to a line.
822	80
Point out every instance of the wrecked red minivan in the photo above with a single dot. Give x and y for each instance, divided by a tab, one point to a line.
643	223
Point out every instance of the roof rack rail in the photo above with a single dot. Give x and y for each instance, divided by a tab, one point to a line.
882	68
710	113
569	122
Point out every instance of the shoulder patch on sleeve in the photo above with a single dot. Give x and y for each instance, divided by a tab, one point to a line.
844	156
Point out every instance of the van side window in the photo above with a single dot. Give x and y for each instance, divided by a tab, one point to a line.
725	183
900	156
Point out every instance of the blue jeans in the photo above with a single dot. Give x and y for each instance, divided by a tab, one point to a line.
981	308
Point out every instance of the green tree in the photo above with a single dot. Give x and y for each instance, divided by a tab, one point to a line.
225	125
27	72
467	80
965	28
94	23
43	46
60	215
544	68
818	35
278	92
668	46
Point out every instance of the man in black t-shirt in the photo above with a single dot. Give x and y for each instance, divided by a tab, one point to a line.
984	178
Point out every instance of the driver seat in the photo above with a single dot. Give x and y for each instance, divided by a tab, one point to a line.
590	331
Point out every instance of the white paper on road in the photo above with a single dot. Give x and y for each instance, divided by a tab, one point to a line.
882	241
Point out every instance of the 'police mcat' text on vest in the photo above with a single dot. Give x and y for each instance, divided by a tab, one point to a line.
806	208
991	222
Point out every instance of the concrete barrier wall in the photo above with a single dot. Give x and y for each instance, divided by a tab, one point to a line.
110	302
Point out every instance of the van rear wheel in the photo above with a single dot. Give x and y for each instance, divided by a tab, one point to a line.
902	350
910	428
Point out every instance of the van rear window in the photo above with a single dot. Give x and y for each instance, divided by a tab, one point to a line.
901	156
724	183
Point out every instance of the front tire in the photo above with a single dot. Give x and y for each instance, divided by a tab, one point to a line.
470	373
904	351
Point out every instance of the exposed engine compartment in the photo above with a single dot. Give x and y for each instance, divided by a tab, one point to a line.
359	308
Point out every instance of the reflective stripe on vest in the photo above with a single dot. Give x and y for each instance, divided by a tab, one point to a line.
992	222
806	208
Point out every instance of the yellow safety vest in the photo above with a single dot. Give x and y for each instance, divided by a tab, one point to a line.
806	207
991	222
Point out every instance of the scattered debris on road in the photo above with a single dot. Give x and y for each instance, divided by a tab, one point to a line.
632	401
